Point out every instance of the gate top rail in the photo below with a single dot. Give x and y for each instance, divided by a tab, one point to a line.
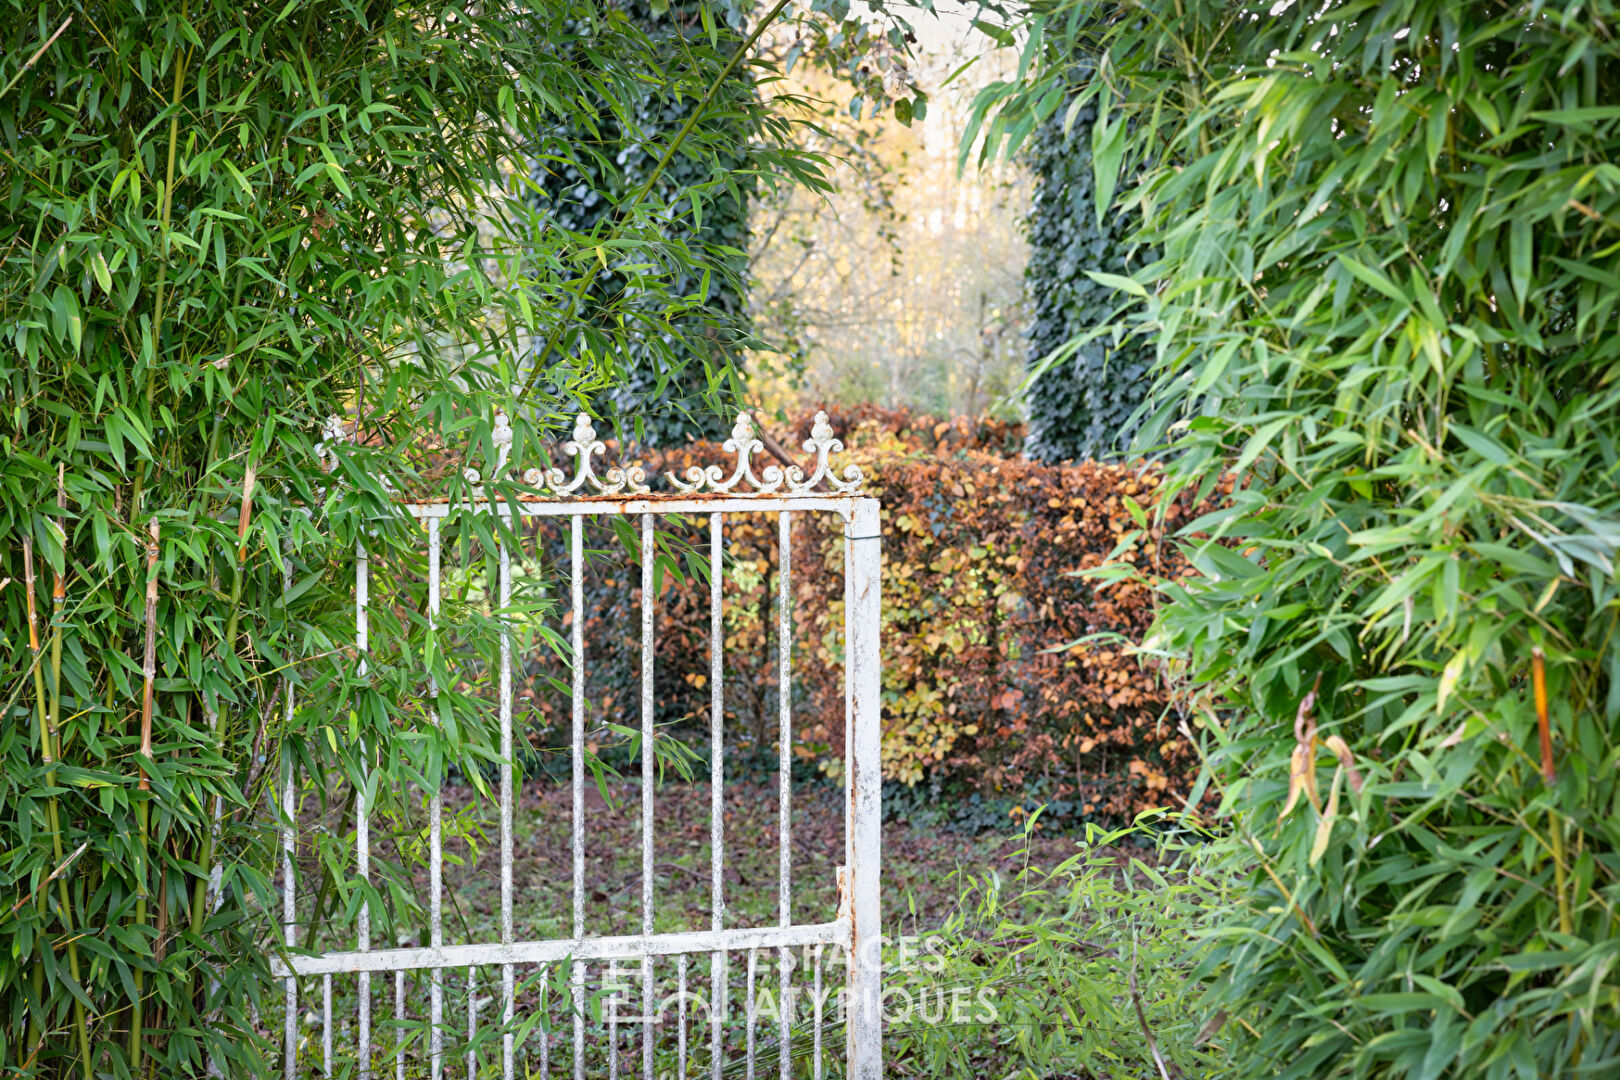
619	482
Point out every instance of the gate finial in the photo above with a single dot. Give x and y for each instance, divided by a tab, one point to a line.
332	433
502	437
581	447
744	444
822	442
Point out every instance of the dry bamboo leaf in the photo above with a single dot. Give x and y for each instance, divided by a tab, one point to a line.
1296	780
1341	750
1302	763
1538	679
1324	827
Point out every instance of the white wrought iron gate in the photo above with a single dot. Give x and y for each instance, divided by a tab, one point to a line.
852	931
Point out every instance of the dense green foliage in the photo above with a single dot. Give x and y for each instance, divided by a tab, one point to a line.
1081	403
223	223
1387	301
661	392
1081	969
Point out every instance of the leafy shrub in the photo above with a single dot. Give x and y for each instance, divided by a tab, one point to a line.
1004	672
1388	298
1086	969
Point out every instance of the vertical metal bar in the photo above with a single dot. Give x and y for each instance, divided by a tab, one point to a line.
399	1024
289	881
719	1004
545	1029
613	1025
362	824
435	828
749	1011
717	824
576	560
864	677
507	971
784	779
472	1022
815	1001
326	1025
680	1031
648	601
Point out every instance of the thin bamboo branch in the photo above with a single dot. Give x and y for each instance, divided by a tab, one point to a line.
1141	1015
37	54
44	886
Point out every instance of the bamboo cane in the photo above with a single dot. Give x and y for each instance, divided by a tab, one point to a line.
36	1027
142	806
47	710
58	598
200	890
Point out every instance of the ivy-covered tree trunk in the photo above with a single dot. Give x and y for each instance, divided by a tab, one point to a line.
685	388
1082	405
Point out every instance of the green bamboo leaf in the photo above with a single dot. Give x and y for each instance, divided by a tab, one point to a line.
1370	276
98	266
1520	244
1107	153
1582	117
1117	281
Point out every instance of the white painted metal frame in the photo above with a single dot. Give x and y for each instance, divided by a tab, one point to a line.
856	927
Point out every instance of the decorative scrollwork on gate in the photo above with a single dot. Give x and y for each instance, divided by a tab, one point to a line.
744	445
332	433
740	479
822	443
582	447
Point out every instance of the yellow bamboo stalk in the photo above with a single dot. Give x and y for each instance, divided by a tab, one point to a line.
58	598
47	707
36	1026
199	893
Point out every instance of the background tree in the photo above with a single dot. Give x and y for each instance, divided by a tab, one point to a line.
1082	398
903	285
660	391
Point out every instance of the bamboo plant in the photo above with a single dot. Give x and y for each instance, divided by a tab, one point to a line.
222	225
